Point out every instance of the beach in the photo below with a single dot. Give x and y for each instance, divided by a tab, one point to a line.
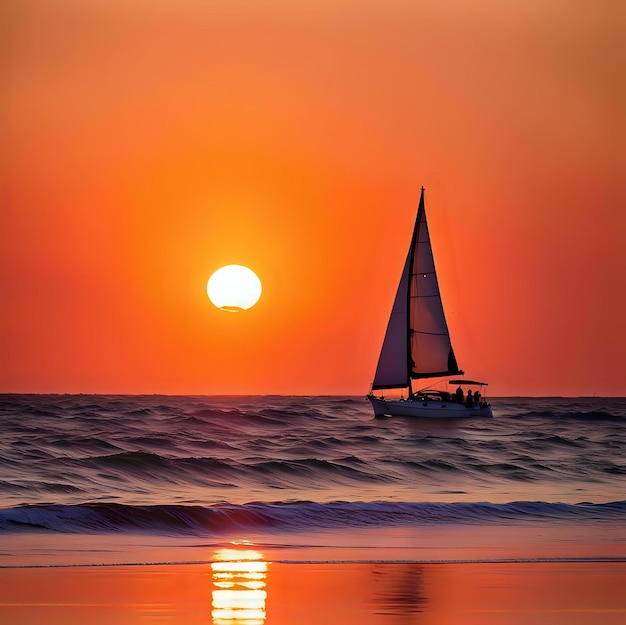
367	594
469	574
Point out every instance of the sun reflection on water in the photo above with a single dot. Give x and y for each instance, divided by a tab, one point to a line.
239	587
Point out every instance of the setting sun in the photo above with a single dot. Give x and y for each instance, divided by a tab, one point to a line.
234	288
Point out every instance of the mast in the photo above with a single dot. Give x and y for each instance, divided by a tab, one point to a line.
410	363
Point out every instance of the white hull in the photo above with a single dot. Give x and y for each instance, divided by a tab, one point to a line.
427	409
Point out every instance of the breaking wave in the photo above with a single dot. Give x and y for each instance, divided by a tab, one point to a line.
293	516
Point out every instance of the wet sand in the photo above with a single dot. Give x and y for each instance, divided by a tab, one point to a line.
403	576
306	594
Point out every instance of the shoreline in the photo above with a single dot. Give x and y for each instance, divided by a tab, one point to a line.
503	561
452	544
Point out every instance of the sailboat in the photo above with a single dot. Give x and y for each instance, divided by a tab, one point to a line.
417	344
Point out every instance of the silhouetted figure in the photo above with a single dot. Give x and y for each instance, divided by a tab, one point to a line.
459	395
470	399
477	397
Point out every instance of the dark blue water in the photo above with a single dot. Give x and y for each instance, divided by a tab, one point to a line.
205	465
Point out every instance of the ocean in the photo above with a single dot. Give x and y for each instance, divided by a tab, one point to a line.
215	467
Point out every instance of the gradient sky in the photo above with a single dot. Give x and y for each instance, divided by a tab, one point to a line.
146	144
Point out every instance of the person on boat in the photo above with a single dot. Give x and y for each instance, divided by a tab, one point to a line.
459	395
470	399
477	398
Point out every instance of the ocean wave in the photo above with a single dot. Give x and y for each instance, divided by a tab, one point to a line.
294	516
68	449
592	415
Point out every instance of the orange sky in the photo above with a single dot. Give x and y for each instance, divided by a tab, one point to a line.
146	144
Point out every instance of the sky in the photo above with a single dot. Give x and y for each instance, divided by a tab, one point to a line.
147	143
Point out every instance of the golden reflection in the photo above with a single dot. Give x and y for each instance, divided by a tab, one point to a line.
239	587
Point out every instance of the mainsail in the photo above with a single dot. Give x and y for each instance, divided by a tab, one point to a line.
417	341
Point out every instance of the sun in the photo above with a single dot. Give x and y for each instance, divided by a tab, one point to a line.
234	288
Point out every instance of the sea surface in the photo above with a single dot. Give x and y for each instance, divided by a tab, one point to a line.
208	465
